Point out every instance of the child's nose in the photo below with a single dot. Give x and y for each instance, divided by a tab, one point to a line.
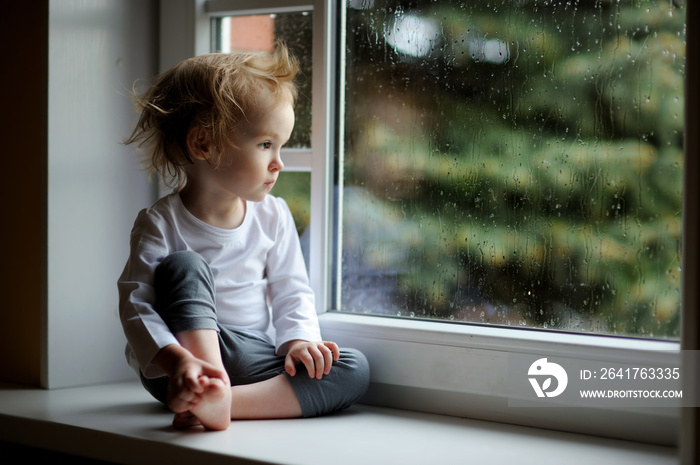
277	164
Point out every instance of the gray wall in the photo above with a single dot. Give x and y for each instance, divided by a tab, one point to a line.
97	49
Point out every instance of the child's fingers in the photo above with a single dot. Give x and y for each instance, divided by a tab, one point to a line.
328	356
192	383
322	358
182	400
178	405
211	372
289	365
308	360
317	358
311	358
334	349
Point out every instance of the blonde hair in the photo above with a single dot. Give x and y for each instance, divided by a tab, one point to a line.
216	92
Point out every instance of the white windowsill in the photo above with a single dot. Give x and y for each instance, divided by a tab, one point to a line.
121	423
463	371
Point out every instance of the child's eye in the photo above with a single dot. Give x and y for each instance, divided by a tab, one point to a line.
265	145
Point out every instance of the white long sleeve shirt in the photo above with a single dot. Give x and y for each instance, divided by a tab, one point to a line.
259	274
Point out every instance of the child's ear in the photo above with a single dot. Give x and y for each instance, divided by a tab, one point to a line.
198	143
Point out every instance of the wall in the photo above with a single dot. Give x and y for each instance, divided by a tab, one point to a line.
71	190
97	49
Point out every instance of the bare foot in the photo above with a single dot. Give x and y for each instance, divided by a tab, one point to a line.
213	411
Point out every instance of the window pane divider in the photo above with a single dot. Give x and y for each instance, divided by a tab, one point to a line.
322	143
252	7
297	160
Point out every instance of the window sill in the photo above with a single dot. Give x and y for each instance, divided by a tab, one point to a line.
468	368
121	423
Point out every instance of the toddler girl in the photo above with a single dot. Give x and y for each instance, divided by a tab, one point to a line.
214	298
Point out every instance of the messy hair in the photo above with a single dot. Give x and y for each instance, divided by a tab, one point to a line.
217	92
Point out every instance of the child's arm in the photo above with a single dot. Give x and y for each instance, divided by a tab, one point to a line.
292	300
144	329
317	357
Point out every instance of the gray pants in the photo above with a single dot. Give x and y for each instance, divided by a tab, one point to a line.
184	288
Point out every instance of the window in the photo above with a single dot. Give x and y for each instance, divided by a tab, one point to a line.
461	369
515	163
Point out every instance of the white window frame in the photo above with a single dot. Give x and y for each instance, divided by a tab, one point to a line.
454	369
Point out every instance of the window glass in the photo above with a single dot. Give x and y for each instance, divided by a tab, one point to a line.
515	163
295	188
259	33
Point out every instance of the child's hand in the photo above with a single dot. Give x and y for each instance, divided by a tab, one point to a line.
189	377
317	357
191	380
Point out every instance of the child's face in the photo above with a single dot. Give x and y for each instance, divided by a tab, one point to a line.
250	169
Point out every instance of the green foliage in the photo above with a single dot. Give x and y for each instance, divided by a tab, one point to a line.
295	188
540	182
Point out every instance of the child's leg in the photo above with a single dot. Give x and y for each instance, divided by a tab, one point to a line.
185	300
346	383
214	394
272	398
284	396
263	389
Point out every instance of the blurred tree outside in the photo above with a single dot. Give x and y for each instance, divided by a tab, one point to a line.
515	162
